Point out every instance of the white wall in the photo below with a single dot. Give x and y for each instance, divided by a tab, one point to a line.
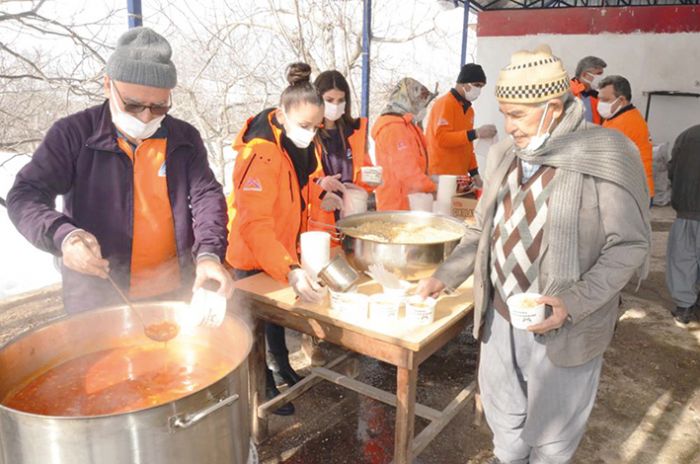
648	61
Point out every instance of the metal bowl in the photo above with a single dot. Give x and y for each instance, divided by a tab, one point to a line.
408	261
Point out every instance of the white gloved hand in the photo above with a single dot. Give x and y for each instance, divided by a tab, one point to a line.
305	288
332	184
331	202
487	131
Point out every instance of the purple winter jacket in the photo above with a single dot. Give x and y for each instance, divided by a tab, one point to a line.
79	158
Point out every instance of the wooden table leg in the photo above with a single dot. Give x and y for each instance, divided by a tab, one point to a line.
406	380
257	382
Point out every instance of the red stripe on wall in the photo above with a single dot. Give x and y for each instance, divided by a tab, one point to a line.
625	20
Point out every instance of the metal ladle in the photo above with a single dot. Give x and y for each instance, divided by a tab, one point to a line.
163	332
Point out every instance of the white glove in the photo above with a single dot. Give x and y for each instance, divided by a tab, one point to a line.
332	184
308	290
331	202
487	131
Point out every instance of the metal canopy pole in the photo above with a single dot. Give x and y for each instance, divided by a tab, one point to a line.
366	41
465	32
135	15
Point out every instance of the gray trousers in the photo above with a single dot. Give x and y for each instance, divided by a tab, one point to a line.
536	410
683	262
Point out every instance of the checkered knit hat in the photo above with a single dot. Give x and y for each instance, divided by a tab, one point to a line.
532	77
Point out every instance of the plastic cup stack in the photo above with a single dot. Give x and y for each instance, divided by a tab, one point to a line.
315	252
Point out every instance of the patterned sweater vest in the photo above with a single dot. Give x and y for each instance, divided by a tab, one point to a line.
516	245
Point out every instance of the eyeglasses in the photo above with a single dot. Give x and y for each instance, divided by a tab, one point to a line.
135	108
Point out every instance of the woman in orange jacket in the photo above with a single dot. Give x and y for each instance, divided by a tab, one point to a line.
276	157
342	155
400	146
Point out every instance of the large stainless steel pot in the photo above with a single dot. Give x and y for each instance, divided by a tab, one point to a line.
209	426
409	261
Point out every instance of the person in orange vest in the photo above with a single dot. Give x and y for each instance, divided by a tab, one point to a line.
585	85
342	154
276	157
616	108
450	131
141	204
400	146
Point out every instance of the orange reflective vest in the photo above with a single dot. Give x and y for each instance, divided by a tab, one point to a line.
265	206
155	269
449	148
578	88
630	122
402	152
357	142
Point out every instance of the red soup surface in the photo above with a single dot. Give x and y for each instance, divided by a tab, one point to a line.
119	380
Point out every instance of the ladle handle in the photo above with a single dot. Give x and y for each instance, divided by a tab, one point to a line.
186	420
118	289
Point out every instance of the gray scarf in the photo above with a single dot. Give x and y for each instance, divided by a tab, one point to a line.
577	148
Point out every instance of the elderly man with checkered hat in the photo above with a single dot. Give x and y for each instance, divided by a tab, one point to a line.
565	215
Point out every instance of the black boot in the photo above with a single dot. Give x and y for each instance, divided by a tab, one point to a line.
271	391
282	372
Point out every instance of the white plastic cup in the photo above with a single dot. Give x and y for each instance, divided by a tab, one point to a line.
349	305
384	308
207	309
447	188
420	311
354	201
443	208
420	202
315	252
372	175
524	310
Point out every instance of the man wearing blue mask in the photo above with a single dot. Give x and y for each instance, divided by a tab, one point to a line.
140	201
565	216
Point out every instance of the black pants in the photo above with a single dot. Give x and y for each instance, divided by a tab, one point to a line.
274	334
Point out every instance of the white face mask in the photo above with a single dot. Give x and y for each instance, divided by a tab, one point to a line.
473	93
595	81
333	111
129	124
605	108
299	136
537	140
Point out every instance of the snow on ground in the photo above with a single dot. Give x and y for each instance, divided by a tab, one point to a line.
23	267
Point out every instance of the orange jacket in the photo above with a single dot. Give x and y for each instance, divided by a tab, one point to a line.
265	209
402	151
449	147
324	220
578	88
630	122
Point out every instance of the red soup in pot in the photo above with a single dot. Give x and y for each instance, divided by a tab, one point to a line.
119	380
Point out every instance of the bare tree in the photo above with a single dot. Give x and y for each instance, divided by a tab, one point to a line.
231	56
48	68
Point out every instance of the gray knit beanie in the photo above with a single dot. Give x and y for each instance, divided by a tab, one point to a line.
142	57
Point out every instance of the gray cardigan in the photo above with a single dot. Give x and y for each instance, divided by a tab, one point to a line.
612	246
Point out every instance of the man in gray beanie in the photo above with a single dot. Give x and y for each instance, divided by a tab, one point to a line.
141	203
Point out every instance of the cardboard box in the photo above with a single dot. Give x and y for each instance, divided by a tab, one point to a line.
463	206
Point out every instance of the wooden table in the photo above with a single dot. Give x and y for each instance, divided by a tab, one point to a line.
399	344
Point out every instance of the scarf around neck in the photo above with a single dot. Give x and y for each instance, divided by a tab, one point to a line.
577	149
